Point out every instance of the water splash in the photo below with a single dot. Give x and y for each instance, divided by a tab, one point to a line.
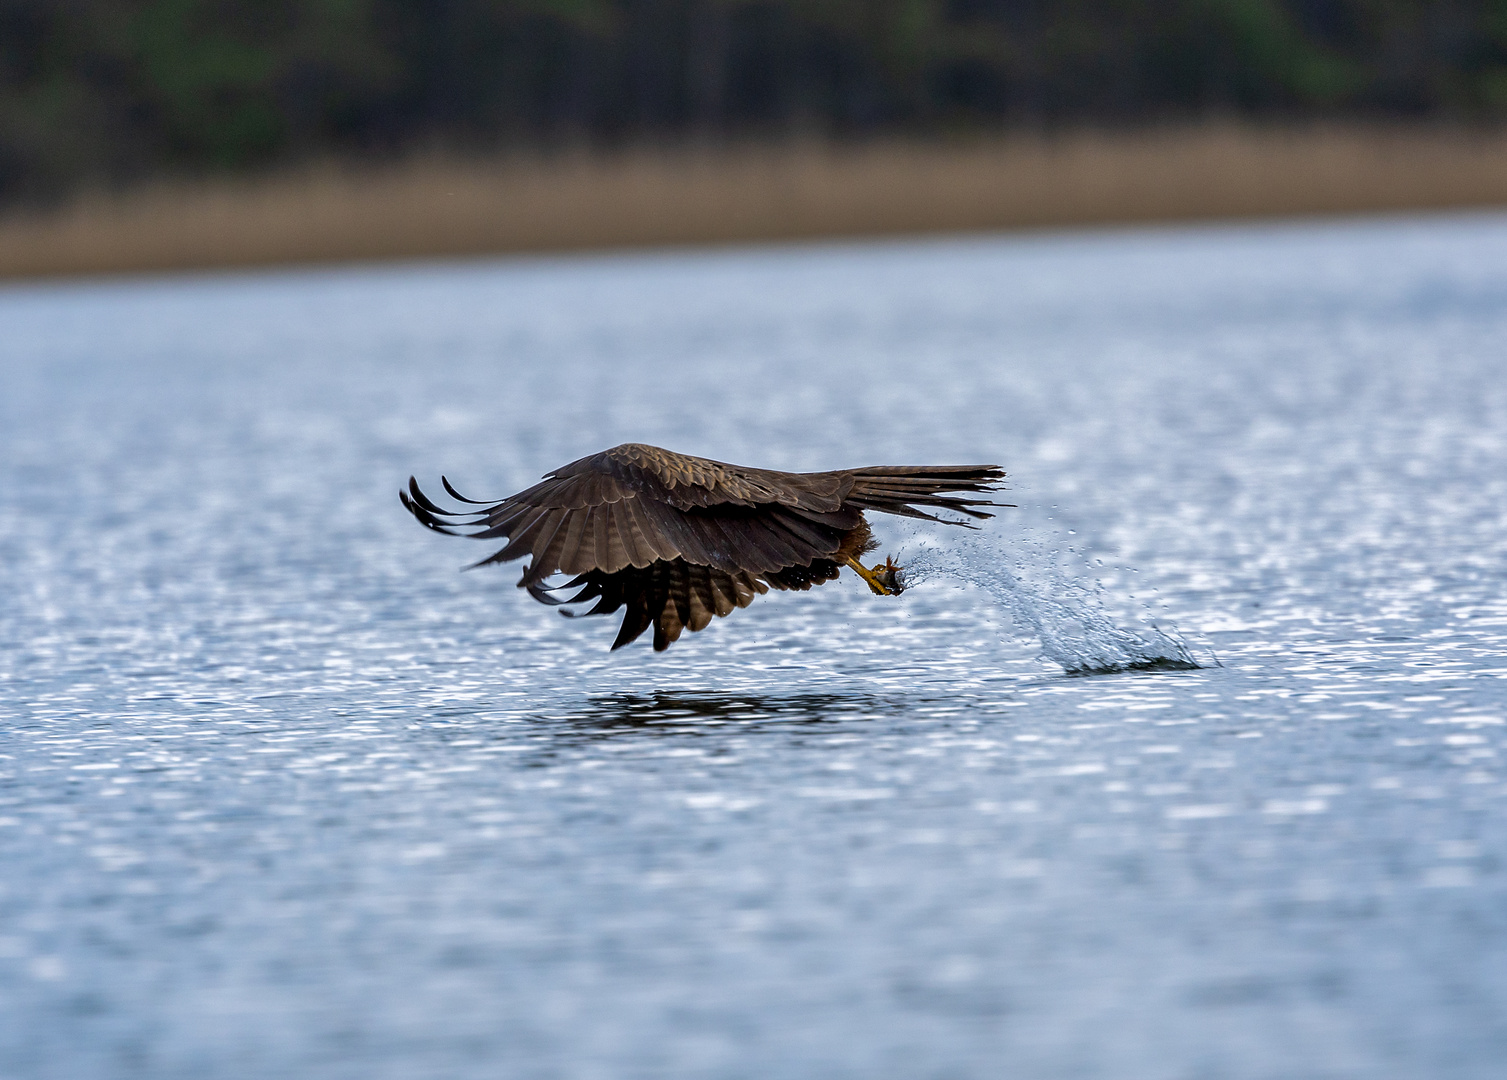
1066	614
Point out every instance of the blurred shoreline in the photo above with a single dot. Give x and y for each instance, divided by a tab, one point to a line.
439	207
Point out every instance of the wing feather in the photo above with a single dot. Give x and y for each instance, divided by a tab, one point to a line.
653	542
669	624
617	551
814	536
577	551
601	528
723	593
545	552
700	605
676	527
510	524
635	621
636	546
720	538
680	592
522	541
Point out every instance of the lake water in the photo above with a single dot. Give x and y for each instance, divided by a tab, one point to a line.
283	793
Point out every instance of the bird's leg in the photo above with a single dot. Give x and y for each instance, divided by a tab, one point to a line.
875	585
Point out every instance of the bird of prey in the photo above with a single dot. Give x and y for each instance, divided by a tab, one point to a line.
677	539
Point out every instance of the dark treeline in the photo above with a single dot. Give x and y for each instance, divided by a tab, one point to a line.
114	90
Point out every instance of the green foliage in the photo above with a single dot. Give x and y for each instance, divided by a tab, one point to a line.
231	83
210	79
113	89
1276	54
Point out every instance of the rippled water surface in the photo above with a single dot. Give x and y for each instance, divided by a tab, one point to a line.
282	793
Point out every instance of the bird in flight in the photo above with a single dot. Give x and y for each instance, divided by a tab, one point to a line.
677	539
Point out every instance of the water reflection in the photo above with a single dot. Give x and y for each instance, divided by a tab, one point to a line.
703	712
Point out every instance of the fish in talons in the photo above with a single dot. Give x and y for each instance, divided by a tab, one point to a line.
883	579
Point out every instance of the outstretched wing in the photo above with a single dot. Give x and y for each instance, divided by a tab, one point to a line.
621	509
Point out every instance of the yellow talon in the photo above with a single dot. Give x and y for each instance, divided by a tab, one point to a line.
883	579
870	577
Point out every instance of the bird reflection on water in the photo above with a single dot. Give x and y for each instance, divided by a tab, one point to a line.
686	713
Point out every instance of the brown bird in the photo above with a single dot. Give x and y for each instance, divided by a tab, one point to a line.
677	539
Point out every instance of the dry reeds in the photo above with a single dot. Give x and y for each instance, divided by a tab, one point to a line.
448	207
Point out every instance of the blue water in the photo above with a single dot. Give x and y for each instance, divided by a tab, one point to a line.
283	793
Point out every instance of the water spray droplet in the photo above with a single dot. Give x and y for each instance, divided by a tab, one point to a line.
1066	615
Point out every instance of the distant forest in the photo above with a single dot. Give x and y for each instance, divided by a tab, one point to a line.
110	91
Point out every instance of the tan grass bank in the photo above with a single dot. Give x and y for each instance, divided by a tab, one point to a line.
434	208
